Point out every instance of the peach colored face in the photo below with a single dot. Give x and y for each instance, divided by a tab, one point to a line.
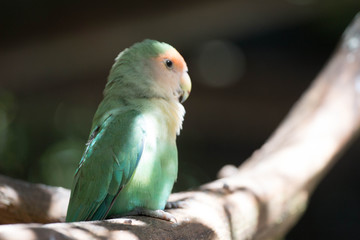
172	73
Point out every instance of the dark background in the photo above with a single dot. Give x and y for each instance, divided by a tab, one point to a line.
249	62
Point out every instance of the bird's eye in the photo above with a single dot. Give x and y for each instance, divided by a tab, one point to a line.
169	64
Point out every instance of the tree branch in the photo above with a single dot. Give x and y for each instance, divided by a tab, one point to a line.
22	202
266	195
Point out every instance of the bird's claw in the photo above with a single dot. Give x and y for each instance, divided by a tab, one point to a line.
160	214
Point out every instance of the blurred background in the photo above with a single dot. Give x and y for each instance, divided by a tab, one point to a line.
249	62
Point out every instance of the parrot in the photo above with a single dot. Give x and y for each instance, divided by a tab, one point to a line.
130	162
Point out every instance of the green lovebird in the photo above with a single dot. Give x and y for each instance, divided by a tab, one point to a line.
130	163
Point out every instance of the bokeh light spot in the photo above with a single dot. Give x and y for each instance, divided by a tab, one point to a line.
220	63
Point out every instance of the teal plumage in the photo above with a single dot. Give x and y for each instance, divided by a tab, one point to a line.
130	161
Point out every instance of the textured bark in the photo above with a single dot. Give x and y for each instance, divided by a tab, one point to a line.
22	202
262	199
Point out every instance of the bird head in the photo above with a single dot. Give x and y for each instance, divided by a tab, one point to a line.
151	69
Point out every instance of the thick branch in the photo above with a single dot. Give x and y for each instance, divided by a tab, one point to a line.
285	171
268	193
22	202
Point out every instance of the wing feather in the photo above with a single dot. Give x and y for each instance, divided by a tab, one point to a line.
110	159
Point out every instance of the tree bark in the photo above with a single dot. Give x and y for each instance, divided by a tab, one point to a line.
262	199
22	202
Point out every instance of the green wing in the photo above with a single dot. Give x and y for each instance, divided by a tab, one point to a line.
113	153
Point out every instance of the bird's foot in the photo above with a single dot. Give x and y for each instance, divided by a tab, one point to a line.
160	214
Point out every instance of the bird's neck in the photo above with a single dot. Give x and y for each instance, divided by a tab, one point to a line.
168	113
171	112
